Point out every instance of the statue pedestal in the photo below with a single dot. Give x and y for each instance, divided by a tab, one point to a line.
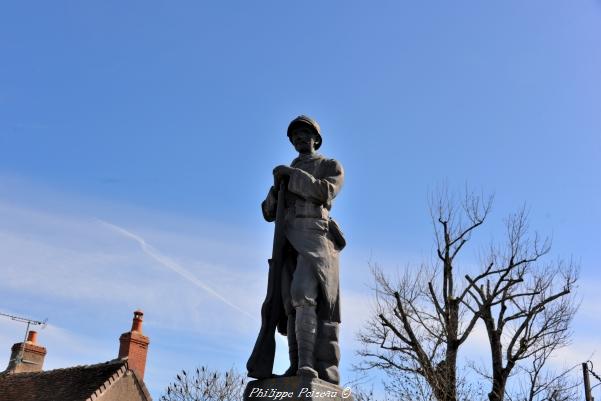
295	388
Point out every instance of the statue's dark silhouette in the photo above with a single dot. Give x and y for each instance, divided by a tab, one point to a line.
303	297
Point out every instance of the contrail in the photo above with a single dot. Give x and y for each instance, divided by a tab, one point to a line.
172	265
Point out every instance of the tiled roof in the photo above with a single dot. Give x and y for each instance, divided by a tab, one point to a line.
78	383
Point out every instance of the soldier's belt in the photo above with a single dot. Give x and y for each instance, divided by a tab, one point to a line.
312	210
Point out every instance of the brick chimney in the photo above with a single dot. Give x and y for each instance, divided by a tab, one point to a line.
134	345
27	356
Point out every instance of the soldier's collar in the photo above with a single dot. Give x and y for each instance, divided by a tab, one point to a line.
310	156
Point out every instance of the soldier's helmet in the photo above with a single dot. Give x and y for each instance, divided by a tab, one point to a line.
304	121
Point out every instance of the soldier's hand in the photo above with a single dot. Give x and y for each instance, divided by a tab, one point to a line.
282	171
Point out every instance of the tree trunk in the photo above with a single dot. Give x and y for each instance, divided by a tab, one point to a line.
499	377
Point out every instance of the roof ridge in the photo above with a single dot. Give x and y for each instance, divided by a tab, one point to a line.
115	361
141	385
108	382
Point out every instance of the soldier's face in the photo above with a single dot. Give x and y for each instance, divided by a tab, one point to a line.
304	140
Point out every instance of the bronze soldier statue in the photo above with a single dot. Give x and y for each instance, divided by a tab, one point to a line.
303	298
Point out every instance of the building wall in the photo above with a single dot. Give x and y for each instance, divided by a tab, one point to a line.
124	389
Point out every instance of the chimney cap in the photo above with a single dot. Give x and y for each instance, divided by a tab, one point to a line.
32	336
136	324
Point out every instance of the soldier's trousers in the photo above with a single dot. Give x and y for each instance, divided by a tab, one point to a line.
300	287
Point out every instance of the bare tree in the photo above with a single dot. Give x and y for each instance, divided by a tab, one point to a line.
538	383
425	316
422	321
525	306
205	385
412	387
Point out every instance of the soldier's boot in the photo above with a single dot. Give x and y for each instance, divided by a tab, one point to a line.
306	333
292	347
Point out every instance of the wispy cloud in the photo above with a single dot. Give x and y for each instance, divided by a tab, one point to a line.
52	262
172	265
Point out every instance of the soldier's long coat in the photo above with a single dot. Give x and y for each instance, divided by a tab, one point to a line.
313	185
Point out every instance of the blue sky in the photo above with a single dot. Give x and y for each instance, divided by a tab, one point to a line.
165	119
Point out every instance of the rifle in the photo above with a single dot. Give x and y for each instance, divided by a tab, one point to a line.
260	363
